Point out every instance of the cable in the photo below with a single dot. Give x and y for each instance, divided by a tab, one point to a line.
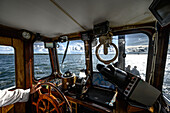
155	38
65	52
66	13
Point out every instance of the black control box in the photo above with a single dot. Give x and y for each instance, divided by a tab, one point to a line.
101	28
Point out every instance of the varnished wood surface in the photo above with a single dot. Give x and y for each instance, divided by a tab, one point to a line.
28	61
19	71
132	109
19	63
90	105
5	41
6	109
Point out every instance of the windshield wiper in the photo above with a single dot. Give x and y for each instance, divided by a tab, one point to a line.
65	52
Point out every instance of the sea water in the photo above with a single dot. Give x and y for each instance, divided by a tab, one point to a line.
7	71
74	63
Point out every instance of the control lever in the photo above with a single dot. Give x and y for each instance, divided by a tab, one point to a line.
84	81
113	99
80	87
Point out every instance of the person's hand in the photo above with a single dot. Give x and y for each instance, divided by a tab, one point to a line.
35	88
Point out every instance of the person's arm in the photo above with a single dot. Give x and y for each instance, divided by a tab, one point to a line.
11	97
18	95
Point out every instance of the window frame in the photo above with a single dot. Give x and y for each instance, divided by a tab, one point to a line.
166	98
58	70
51	56
19	50
14	55
149	33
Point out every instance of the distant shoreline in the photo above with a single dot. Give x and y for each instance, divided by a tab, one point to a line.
74	54
6	54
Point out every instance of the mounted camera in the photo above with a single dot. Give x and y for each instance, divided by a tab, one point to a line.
101	29
63	39
87	35
49	44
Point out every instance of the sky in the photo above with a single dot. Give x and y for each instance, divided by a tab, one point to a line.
77	47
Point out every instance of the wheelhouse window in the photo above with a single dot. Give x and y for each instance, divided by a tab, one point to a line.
166	83
136	49
132	55
109	56
97	78
42	65
74	60
7	68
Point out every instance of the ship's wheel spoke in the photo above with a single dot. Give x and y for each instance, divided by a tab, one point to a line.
48	105
39	91
43	103
42	109
60	105
49	90
52	110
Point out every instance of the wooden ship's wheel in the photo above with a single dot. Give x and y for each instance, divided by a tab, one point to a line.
48	103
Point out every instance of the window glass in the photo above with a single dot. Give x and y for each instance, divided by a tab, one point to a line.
166	83
7	68
97	78
109	56
42	65
136	49
133	52
75	57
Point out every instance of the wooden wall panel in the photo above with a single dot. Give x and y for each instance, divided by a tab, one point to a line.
19	63
7	108
20	71
28	54
5	41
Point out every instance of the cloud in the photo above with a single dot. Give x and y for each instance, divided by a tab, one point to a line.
39	48
137	39
6	50
75	47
